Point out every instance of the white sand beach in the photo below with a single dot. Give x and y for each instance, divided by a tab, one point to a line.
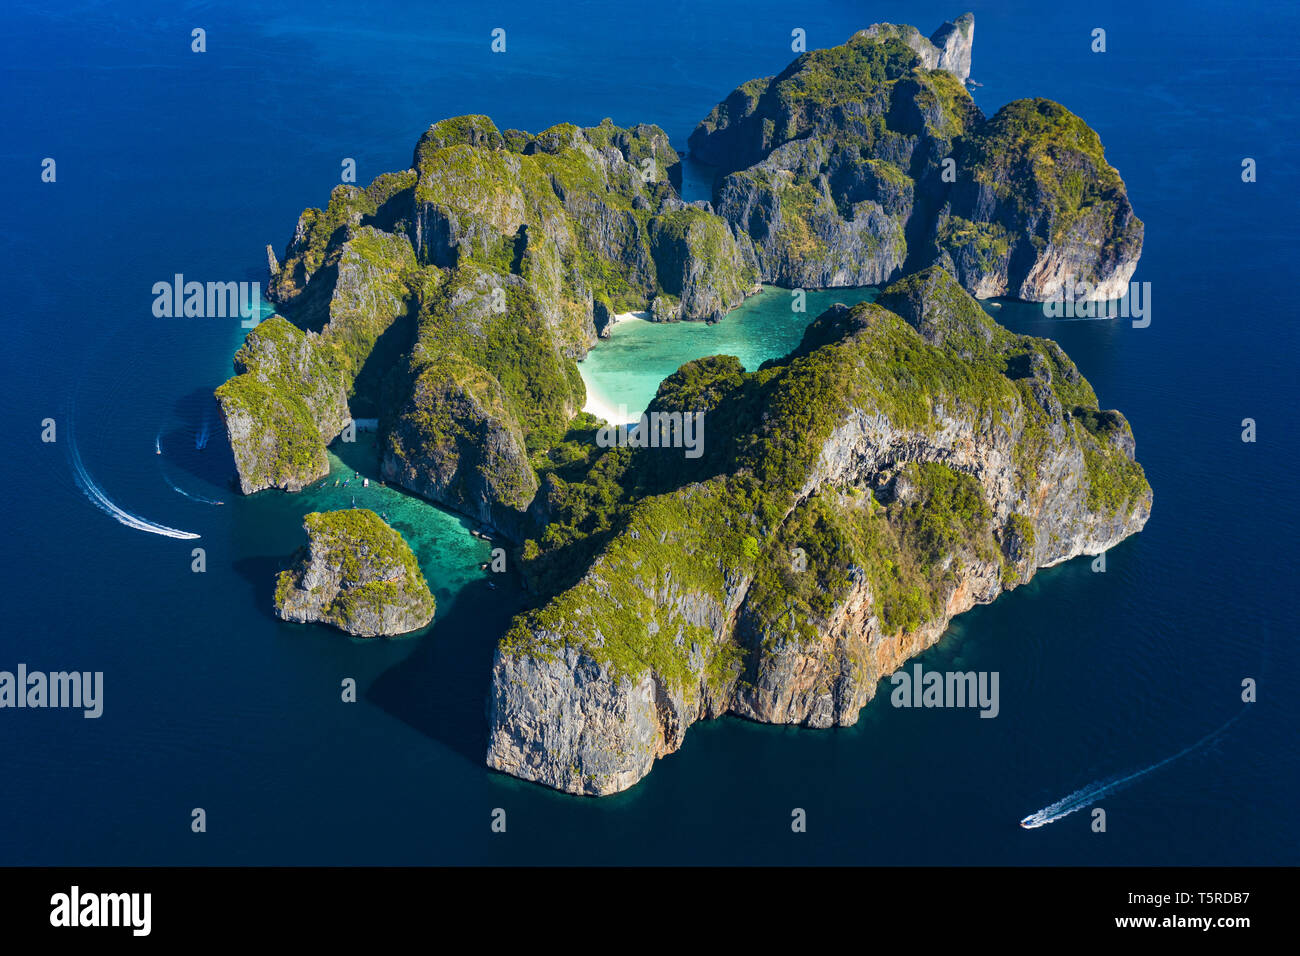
597	404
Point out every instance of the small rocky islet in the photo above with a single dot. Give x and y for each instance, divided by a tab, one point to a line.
356	573
909	459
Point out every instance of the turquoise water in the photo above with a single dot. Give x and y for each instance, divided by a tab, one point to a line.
626	369
170	162
447	553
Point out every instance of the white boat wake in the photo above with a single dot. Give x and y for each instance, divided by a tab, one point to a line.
193	497
100	500
1090	794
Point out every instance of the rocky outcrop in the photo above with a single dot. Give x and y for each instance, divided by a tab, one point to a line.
864	161
486	373
1038	210
700	264
909	460
825	166
286	402
357	574
796	222
948	48
953	41
452	299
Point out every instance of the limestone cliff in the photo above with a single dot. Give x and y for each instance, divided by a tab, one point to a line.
1039	208
909	460
281	409
450	301
357	574
948	48
861	162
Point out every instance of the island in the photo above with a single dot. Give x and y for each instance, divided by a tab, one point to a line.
355	573
910	459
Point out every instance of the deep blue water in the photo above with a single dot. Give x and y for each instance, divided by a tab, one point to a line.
170	161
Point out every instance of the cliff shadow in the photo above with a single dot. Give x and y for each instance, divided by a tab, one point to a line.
260	573
393	344
361	455
441	689
198	446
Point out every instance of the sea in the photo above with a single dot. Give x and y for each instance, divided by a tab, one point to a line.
169	161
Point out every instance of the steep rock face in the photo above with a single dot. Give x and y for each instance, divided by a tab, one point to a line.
1038	210
344	286
863	161
457	444
948	48
700	263
954	42
369	294
485	374
591	197
357	574
285	403
822	163
452	299
600	733
822	671
801	238
846	88
317	241
586	715
909	460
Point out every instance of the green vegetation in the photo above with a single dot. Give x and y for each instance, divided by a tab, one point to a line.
1115	481
684	546
858	71
365	546
284	392
957	110
462	333
319	230
634	539
986	240
369	581
1034	149
299	449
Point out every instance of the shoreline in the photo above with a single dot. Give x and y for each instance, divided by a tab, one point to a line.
618	317
596	403
601	409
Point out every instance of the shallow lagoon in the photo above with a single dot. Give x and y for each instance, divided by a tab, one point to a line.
626	369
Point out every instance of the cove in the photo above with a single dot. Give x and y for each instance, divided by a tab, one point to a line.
626	369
